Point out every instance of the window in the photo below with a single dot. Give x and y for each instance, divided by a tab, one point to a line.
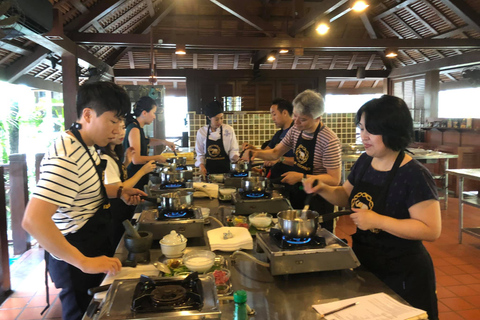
459	103
346	103
176	110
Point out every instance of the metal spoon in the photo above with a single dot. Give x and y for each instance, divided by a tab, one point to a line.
162	267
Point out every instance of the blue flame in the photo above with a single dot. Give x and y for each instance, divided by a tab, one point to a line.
297	240
241	174
255	194
175	214
173	185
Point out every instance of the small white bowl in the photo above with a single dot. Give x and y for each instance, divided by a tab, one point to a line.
260	220
173	250
199	260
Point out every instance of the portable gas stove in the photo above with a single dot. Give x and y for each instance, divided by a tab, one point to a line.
266	201
160	222
154	190
191	297
322	252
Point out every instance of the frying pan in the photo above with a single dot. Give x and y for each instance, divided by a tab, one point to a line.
304	223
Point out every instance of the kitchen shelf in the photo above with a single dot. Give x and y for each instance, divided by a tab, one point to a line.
443	129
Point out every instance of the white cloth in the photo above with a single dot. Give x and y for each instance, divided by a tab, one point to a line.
242	239
230	142
112	173
205	190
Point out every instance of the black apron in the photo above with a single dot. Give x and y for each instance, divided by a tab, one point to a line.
404	265
92	241
216	158
144	143
303	163
280	168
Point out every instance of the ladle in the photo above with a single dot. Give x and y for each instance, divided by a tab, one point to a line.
309	196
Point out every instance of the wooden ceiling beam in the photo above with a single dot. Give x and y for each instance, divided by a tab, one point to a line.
419	19
313	66
98	11
373	35
235	61
451	33
25	64
242	43
464	60
324	8
393	9
144	28
465	12
195	61
131	60
14	48
237	9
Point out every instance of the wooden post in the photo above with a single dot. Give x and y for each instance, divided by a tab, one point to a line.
4	262
70	88
432	86
18	201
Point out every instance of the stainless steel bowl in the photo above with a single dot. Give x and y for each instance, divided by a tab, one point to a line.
239	166
173	176
176	200
298	223
254	184
179	161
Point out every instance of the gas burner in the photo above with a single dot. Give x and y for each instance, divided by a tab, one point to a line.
181	168
239	174
170	294
286	243
172	185
256	195
164	214
164	295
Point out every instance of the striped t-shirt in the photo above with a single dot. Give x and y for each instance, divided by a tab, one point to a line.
69	179
328	151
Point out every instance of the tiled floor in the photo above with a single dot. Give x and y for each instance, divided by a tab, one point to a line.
457	269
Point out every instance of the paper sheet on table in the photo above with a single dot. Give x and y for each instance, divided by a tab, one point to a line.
378	306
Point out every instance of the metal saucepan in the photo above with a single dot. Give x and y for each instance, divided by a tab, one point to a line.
254	184
304	223
239	166
173	176
179	161
173	200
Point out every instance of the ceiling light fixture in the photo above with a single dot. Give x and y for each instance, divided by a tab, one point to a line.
323	27
359	5
391	53
271	56
283	51
180	49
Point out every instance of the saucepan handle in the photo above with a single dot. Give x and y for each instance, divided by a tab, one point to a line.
94	290
330	216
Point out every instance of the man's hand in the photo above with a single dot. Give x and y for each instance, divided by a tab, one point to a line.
102	264
203	169
308	185
270	163
131	196
247	146
292	177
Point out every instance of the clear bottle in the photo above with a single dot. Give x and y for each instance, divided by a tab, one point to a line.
240	298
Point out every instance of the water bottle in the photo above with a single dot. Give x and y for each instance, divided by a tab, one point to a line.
240	298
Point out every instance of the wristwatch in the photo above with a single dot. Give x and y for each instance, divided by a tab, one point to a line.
282	158
119	192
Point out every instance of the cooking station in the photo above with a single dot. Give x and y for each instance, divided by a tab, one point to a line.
286	296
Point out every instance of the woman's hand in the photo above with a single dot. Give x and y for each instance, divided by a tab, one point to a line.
129	153
101	264
365	219
160	159
148	167
171	145
291	177
308	185
131	196
203	169
270	163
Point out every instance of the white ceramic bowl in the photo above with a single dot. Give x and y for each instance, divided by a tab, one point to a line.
173	250
260	220
199	260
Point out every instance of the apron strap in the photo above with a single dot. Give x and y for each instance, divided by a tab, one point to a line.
383	194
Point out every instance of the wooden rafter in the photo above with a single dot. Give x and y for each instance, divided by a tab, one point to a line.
131	60
465	12
295	62
393	9
235	61
420	19
195	61
24	65
314	62
14	48
99	10
215	61
352	61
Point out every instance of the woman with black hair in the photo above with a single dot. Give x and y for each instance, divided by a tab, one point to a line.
116	174
143	114
216	145
394	202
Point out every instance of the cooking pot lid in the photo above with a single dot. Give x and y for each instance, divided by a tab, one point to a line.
173	238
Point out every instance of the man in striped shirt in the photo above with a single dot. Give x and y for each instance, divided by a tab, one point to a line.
68	213
317	152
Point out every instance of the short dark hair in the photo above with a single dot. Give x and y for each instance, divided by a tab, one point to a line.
283	104
145	103
102	97
389	117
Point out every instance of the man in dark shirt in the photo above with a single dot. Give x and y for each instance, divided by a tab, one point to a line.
281	111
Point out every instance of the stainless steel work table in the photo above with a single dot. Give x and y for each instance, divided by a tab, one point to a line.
284	297
426	156
463	174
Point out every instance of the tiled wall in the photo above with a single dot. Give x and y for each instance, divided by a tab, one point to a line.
257	127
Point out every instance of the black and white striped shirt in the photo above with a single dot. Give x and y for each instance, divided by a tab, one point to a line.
328	151
69	179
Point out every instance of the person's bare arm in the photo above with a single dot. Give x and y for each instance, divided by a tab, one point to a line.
337	195
137	158
272	154
38	222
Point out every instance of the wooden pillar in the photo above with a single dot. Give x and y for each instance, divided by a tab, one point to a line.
322	85
18	201
432	86
387	86
70	88
4	261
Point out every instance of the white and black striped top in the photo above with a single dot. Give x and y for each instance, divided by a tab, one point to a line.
68	179
328	151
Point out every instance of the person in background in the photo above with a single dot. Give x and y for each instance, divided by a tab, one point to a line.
216	145
143	114
69	211
317	153
395	204
116	174
281	111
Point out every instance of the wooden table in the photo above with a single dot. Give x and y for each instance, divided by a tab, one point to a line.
463	174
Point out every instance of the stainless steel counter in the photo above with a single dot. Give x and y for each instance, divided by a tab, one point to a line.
284	297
